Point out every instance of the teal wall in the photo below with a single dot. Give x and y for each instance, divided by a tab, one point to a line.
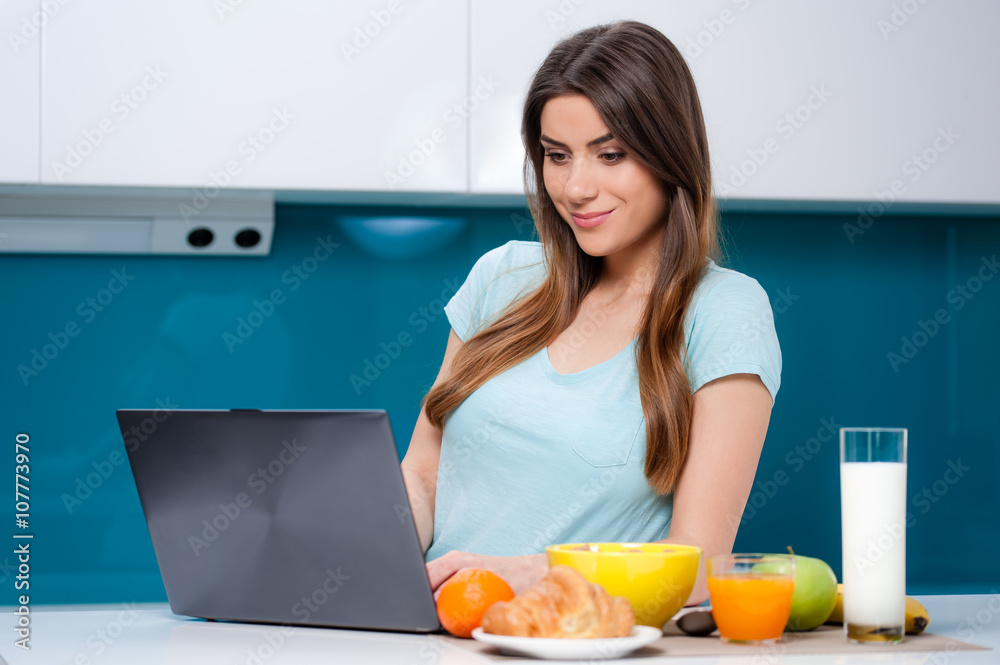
841	307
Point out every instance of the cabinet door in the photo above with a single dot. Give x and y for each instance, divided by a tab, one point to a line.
302	94
853	100
20	88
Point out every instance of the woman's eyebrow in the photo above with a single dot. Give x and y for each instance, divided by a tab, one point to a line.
598	140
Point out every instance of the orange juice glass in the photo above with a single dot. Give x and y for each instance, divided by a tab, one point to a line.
751	596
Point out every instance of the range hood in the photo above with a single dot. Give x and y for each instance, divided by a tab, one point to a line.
189	225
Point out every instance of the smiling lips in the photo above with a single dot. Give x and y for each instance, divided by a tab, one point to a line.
591	219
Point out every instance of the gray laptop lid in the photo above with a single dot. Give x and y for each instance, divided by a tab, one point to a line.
293	517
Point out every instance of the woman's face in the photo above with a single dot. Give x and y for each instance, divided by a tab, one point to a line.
611	201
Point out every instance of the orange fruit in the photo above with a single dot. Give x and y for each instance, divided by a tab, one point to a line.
466	596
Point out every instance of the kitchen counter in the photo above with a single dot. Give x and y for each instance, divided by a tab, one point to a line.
150	634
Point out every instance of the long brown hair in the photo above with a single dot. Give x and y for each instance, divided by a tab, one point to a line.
645	94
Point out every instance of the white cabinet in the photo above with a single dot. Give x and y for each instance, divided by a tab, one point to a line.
20	68
802	101
295	95
845	101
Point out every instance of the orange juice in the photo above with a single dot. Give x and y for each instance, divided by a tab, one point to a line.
751	606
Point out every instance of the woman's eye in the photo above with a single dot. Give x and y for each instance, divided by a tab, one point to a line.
613	157
556	157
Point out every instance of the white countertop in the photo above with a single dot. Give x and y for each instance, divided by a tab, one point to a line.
152	635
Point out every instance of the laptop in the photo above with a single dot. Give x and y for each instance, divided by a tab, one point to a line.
286	517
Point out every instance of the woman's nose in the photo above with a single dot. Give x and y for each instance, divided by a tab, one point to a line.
581	183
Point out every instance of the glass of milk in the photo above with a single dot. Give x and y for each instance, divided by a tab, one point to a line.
873	522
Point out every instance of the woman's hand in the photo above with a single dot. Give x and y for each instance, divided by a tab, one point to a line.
519	572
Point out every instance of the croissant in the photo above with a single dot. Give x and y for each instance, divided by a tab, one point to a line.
562	604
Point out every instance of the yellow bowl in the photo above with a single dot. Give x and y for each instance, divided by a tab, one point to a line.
657	578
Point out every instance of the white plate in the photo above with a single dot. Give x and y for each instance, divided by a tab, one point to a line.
558	648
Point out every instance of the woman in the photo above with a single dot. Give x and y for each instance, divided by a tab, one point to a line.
610	382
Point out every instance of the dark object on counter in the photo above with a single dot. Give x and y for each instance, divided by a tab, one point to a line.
698	623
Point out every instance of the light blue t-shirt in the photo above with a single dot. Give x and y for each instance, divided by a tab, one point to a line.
535	457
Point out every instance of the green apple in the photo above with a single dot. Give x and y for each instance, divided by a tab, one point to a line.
814	596
815	593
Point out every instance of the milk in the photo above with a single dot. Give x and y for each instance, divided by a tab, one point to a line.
873	504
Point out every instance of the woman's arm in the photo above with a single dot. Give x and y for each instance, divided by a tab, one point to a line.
420	464
728	426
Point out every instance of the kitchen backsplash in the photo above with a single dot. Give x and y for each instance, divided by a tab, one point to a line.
888	323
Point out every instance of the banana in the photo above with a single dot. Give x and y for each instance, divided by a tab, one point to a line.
917	618
837	615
